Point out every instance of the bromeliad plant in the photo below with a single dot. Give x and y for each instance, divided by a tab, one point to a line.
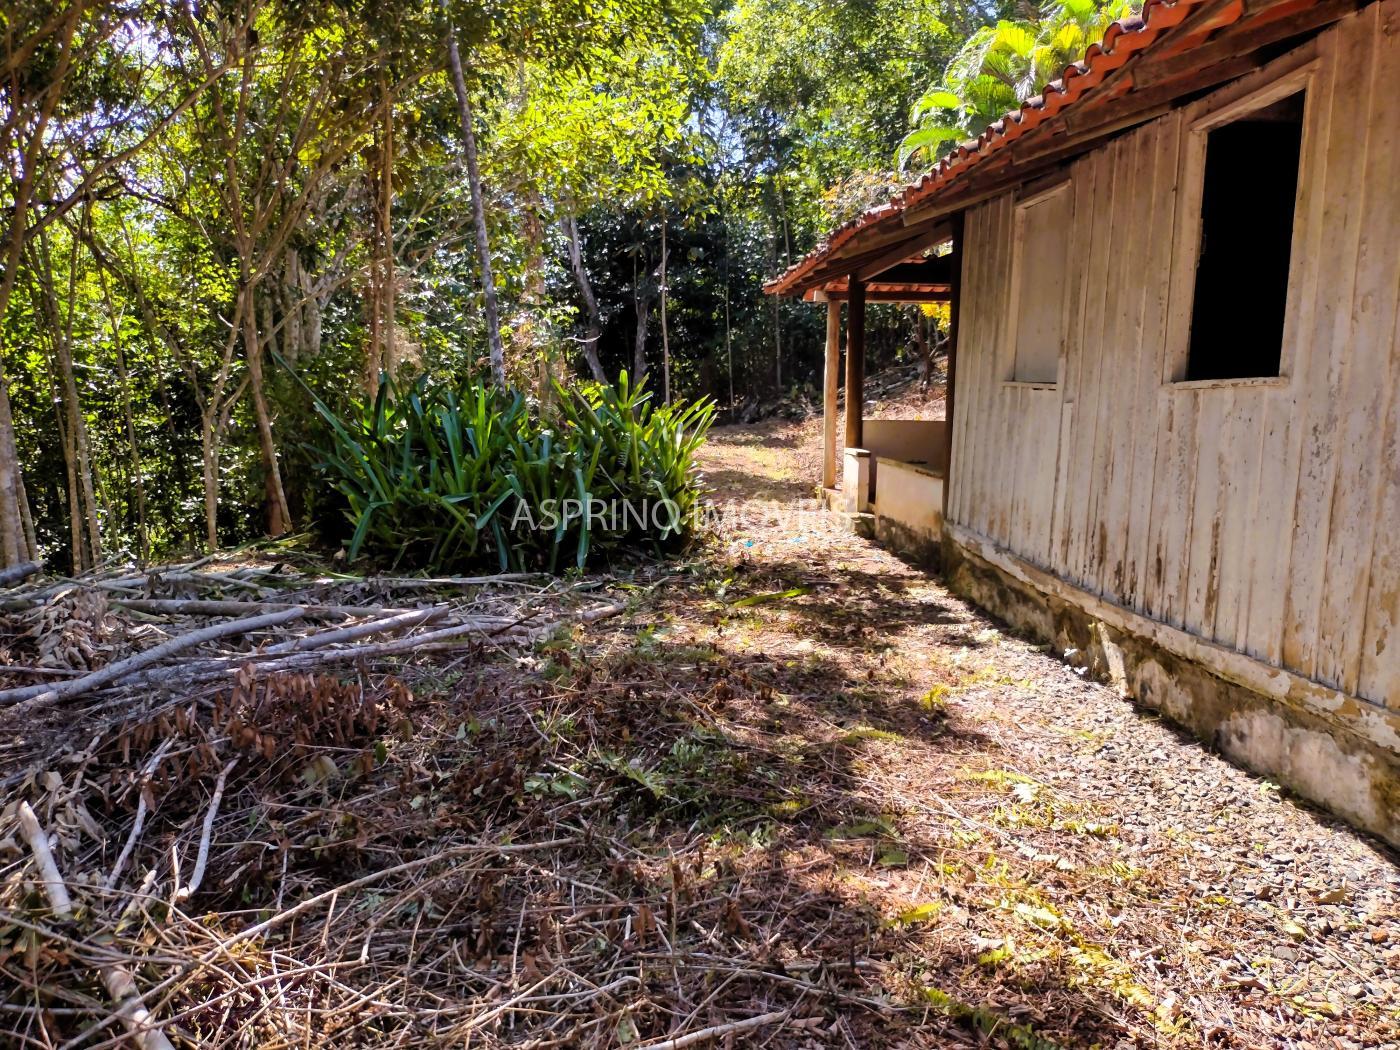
440	477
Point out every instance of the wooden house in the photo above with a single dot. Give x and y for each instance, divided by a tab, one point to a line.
1173	435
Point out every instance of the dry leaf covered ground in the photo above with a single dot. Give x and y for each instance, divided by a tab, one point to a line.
795	795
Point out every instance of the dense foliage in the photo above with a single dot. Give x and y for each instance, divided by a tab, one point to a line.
445	477
498	191
999	66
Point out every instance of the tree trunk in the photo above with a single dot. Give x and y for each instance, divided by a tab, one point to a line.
483	240
642	302
382	354
777	345
777	314
783	217
304	300
77	555
923	352
388	293
209	455
728	332
30	546
82	457
128	416
72	423
279	518
665	338
590	301
14	511
639	353
12	537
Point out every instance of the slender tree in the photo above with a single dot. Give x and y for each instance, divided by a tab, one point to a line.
483	236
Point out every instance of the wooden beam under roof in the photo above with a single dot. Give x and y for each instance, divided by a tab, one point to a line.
937	269
877	253
879	294
902	253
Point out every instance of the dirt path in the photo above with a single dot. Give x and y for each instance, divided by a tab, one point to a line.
970	826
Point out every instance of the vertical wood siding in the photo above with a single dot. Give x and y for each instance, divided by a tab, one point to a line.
1262	517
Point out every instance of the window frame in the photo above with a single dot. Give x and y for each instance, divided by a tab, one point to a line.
1022	203
1292	74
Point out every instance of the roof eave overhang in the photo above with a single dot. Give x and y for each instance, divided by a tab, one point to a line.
1193	45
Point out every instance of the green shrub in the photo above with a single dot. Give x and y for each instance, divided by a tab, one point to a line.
441	477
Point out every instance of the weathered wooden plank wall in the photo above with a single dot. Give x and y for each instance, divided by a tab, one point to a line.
1263	516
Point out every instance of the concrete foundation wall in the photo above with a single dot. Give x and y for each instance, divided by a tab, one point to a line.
1335	753
909	509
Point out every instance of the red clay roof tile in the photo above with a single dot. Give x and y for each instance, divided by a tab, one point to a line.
1121	42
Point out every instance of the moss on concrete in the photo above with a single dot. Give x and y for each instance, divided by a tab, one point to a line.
1318	760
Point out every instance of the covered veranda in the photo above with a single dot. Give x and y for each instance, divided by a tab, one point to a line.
892	470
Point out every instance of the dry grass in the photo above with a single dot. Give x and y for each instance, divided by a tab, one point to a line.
796	783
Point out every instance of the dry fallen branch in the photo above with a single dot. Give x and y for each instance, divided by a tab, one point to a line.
719	1031
120	985
42	672
281	658
140	822
202	858
38	695
448	581
389	625
216	607
54	887
16	573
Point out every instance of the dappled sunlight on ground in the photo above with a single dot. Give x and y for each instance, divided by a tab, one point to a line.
794	786
965	828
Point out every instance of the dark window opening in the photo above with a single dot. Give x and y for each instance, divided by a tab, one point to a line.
1247	201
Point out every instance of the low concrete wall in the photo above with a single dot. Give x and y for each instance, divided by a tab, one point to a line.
1339	752
909	509
920	441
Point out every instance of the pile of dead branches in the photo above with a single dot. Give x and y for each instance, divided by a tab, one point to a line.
153	719
116	633
232	847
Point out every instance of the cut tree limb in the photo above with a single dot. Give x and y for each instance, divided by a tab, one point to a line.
120	985
46	694
493	628
54	887
302	660
389	625
16	573
202	858
206	607
140	822
446	581
719	1031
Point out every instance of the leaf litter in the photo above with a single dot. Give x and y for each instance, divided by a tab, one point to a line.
853	812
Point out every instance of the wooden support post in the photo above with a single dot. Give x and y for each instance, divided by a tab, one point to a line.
855	364
954	304
830	388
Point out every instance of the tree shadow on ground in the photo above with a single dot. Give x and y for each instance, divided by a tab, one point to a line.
763	436
739	485
826	894
854	606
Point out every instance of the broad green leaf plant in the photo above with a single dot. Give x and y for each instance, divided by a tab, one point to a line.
440	477
998	68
